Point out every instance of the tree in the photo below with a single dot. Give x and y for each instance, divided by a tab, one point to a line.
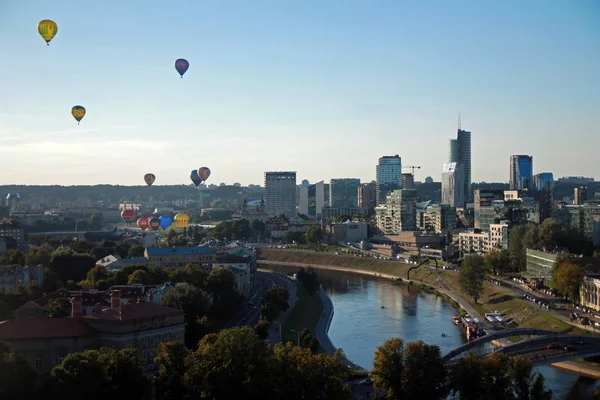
278	297
472	274
551	234
313	234
309	341
172	363
69	265
531	238
17	378
39	255
497	261
221	284
141	276
388	367
96	221
258	226
58	308
12	257
194	303
567	277
262	329
516	248
309	280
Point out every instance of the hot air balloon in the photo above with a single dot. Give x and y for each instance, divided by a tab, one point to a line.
128	216
165	221
181	65
204	173
47	30
153	223
149	178
195	178
142	223
182	220
78	113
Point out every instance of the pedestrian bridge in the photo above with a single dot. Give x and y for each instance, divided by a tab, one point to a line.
536	350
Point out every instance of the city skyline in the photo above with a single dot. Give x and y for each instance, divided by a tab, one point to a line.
281	87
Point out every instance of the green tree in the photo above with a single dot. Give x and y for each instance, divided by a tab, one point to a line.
309	341
39	255
262	328
194	303
17	378
12	257
567	278
69	265
497	261
313	234
551	234
531	238
58	308
516	248
472	274
258	226
141	276
173	362
388	368
309	280
278	297
96	221
221	284
424	371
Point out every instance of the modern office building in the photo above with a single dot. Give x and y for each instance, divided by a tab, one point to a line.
460	152
453	185
280	193
436	218
580	195
389	176
543	193
521	172
303	199
408	181
319	198
584	218
399	213
343	192
367	195
539	264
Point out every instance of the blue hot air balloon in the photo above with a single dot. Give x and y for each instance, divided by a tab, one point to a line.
165	221
195	177
182	65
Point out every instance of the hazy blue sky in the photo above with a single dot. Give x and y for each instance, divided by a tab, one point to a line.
323	87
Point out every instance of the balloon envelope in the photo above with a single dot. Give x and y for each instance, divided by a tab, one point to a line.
195	178
149	179
142	223
47	29
128	216
204	173
165	221
182	220
154	223
181	65
78	112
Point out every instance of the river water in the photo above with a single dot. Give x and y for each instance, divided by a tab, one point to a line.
369	310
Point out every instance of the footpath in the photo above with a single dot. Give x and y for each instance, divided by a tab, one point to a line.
277	325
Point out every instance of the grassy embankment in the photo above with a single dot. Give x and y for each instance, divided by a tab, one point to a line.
305	315
524	314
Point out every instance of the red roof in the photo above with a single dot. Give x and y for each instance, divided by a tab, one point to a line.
135	311
44	328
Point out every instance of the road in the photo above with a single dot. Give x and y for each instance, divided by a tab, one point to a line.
249	314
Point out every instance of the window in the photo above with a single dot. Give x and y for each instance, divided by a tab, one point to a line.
38	362
59	359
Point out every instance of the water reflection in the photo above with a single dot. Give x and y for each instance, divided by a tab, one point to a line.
360	324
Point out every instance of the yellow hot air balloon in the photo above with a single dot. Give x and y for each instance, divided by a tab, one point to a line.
47	30
182	220
78	113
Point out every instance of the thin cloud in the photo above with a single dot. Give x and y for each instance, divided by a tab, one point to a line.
44	135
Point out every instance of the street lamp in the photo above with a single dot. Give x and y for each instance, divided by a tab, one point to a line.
297	335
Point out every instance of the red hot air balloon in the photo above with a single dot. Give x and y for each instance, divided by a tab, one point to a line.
153	223
142	223
128	216
204	173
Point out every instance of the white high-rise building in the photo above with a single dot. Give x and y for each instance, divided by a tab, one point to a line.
453	184
303	199
319	197
280	193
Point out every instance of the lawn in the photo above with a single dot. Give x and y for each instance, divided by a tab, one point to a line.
305	315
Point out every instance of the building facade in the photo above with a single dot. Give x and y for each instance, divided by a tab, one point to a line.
543	193
539	264
319	198
399	213
343	192
388	177
303	200
453	185
280	193
437	218
408	181
521	172
367	196
589	292
584	218
460	152
580	195
180	256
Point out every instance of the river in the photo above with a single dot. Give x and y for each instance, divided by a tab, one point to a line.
369	310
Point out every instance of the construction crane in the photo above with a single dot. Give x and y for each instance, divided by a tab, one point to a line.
413	167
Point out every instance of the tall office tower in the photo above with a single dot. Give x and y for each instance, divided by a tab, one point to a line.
453	150
580	195
343	192
408	181
319	198
453	185
303	199
305	182
543	193
521	172
280	193
389	176
367	193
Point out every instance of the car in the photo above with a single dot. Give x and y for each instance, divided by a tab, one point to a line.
568	348
366	382
553	346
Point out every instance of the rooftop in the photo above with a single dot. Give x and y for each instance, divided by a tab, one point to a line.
132	312
44	328
179	250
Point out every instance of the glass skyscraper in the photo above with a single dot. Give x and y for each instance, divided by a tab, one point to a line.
460	152
453	150
543	188
389	176
544	181
521	172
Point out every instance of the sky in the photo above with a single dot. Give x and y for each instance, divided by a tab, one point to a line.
323	88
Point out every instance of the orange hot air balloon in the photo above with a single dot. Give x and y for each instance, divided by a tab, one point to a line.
149	179
204	173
